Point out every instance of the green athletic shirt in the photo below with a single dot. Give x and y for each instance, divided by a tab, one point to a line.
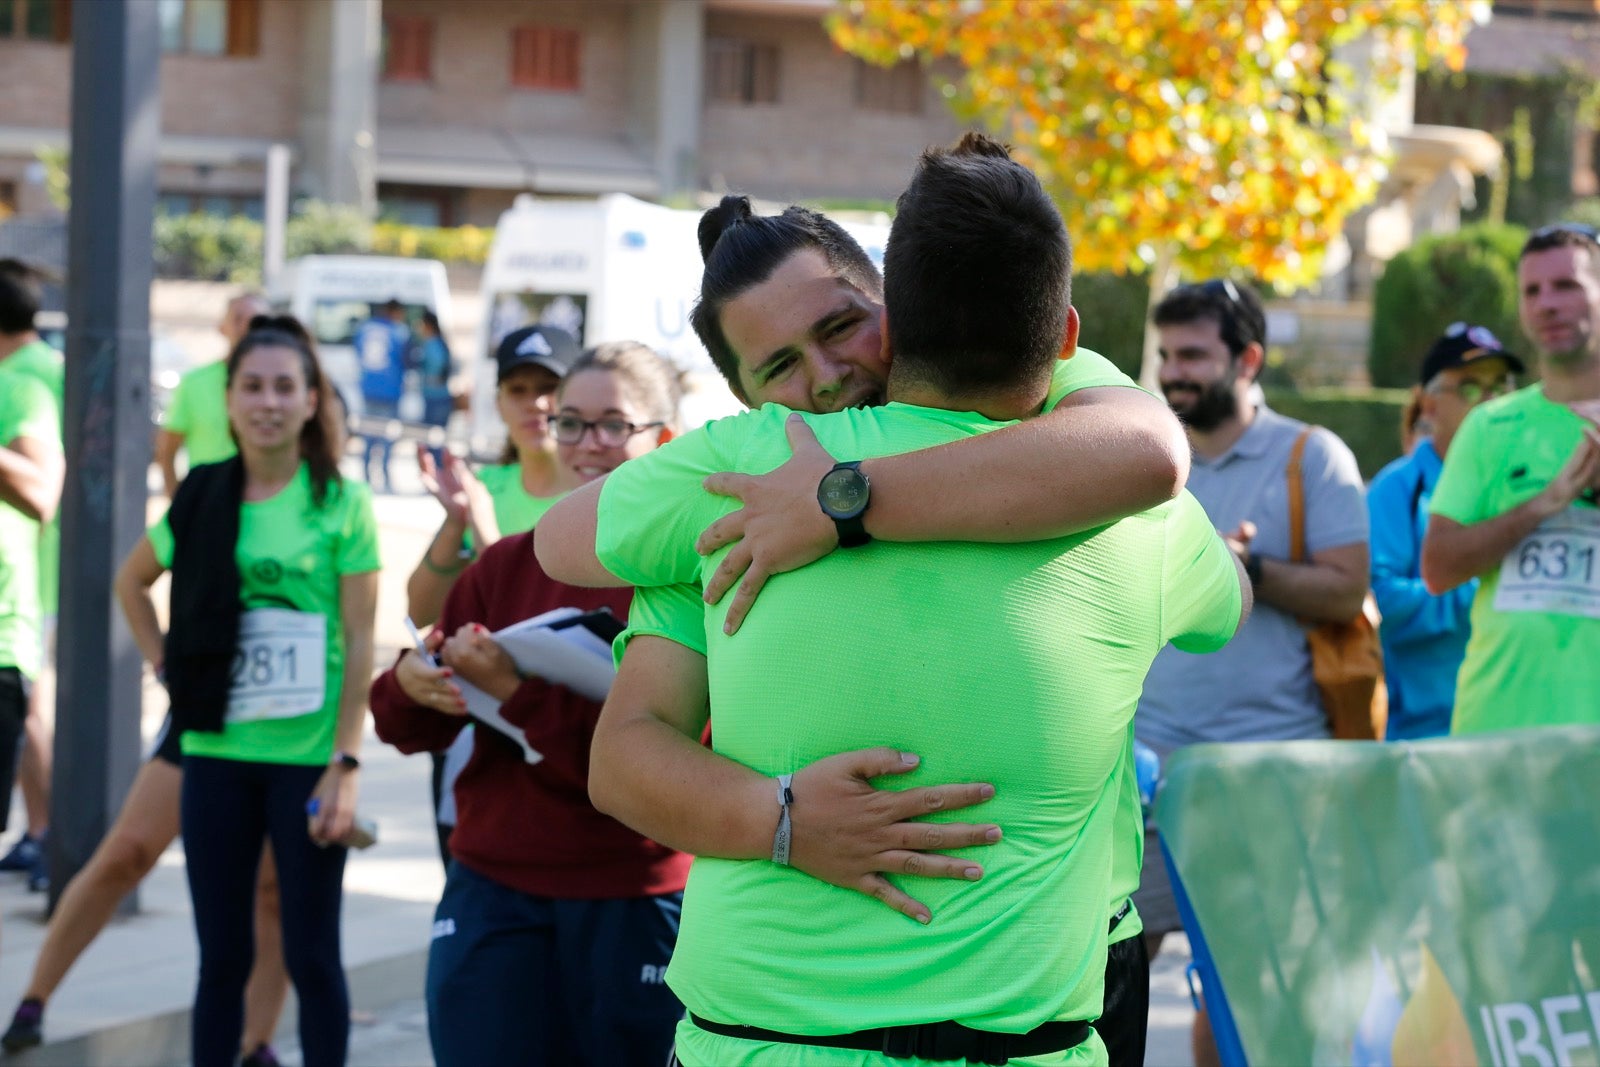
1523	667
292	555
680	616
47	365
27	409
953	651
515	511
199	412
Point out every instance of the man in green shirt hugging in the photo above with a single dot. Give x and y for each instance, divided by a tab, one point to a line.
1014	664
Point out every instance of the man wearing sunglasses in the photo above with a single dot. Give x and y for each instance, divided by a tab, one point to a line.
1516	509
1425	636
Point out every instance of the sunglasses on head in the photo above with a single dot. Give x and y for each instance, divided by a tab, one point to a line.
1580	229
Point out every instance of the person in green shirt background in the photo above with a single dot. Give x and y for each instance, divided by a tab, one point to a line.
1516	508
275	547
197	419
23	352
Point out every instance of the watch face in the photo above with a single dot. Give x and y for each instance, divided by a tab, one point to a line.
843	493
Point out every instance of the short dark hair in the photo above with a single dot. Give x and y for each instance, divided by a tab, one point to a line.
21	292
741	250
978	273
1234	307
1563	235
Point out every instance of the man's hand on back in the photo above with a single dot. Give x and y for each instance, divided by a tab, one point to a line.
780	528
850	834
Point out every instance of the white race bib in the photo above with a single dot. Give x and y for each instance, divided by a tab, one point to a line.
1556	568
280	668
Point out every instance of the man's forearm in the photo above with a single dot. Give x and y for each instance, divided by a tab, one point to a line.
28	486
1071	469
1453	553
667	786
1310	590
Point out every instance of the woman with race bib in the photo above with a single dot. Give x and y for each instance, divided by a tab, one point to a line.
552	938
274	561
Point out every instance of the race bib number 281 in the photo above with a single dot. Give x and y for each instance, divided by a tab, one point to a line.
1556	568
280	666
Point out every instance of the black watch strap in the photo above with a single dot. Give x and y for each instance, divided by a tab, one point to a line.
346	761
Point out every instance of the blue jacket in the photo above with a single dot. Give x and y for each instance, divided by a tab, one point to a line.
381	352
1424	636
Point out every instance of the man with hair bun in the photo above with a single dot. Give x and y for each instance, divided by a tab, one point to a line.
886	642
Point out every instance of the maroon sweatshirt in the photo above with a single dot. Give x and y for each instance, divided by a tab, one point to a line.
531	828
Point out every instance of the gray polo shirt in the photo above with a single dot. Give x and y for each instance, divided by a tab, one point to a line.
1259	687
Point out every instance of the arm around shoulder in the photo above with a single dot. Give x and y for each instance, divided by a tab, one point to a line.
564	540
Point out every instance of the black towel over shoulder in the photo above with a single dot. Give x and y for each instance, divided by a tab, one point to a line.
204	628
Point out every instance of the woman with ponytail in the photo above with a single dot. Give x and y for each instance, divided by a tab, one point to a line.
274	564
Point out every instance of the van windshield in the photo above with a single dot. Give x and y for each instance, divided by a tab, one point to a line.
334	321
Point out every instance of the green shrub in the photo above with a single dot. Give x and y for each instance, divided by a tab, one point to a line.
1112	309
322	229
1369	421
1586	210
455	244
208	247
1468	275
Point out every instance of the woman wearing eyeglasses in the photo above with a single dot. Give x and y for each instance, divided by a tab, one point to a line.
1424	636
557	922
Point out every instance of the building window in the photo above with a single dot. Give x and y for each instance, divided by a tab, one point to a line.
35	20
210	27
407	49
544	57
900	89
1572	10
741	72
223	205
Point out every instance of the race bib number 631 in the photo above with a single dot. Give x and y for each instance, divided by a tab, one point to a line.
1556	568
280	666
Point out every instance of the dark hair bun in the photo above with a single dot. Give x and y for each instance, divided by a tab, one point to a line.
732	210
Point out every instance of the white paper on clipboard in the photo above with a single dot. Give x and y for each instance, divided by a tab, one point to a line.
566	646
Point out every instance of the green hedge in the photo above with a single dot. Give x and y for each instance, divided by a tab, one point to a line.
1112	308
216	248
1369	422
1468	275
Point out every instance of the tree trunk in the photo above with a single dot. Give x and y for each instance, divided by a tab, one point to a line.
1163	277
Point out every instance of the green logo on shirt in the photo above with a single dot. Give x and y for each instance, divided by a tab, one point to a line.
267	571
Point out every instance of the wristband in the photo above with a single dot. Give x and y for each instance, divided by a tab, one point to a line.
445	572
782	838
1252	569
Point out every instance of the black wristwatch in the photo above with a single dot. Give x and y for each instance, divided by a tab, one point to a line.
844	494
346	762
1252	569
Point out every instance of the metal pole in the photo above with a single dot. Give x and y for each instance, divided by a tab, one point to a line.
116	111
275	216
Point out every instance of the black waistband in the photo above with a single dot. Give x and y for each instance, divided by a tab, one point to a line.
929	1041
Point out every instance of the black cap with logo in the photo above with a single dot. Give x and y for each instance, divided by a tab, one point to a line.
1462	344
537	346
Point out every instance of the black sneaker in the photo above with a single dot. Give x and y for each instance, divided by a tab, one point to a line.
27	1027
263	1056
23	855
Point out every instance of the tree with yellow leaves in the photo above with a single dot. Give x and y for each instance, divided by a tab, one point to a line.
1193	137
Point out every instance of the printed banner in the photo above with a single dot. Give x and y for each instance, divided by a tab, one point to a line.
1424	903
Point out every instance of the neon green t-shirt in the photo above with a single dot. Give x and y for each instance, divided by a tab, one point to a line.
199	411
27	409
291	556
953	651
515	511
48	366
1534	655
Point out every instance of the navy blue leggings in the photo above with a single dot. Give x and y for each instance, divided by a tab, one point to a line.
544	982
229	808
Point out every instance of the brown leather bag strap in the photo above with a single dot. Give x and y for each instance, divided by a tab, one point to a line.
1295	472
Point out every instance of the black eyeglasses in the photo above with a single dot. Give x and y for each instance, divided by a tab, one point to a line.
1580	229
610	433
